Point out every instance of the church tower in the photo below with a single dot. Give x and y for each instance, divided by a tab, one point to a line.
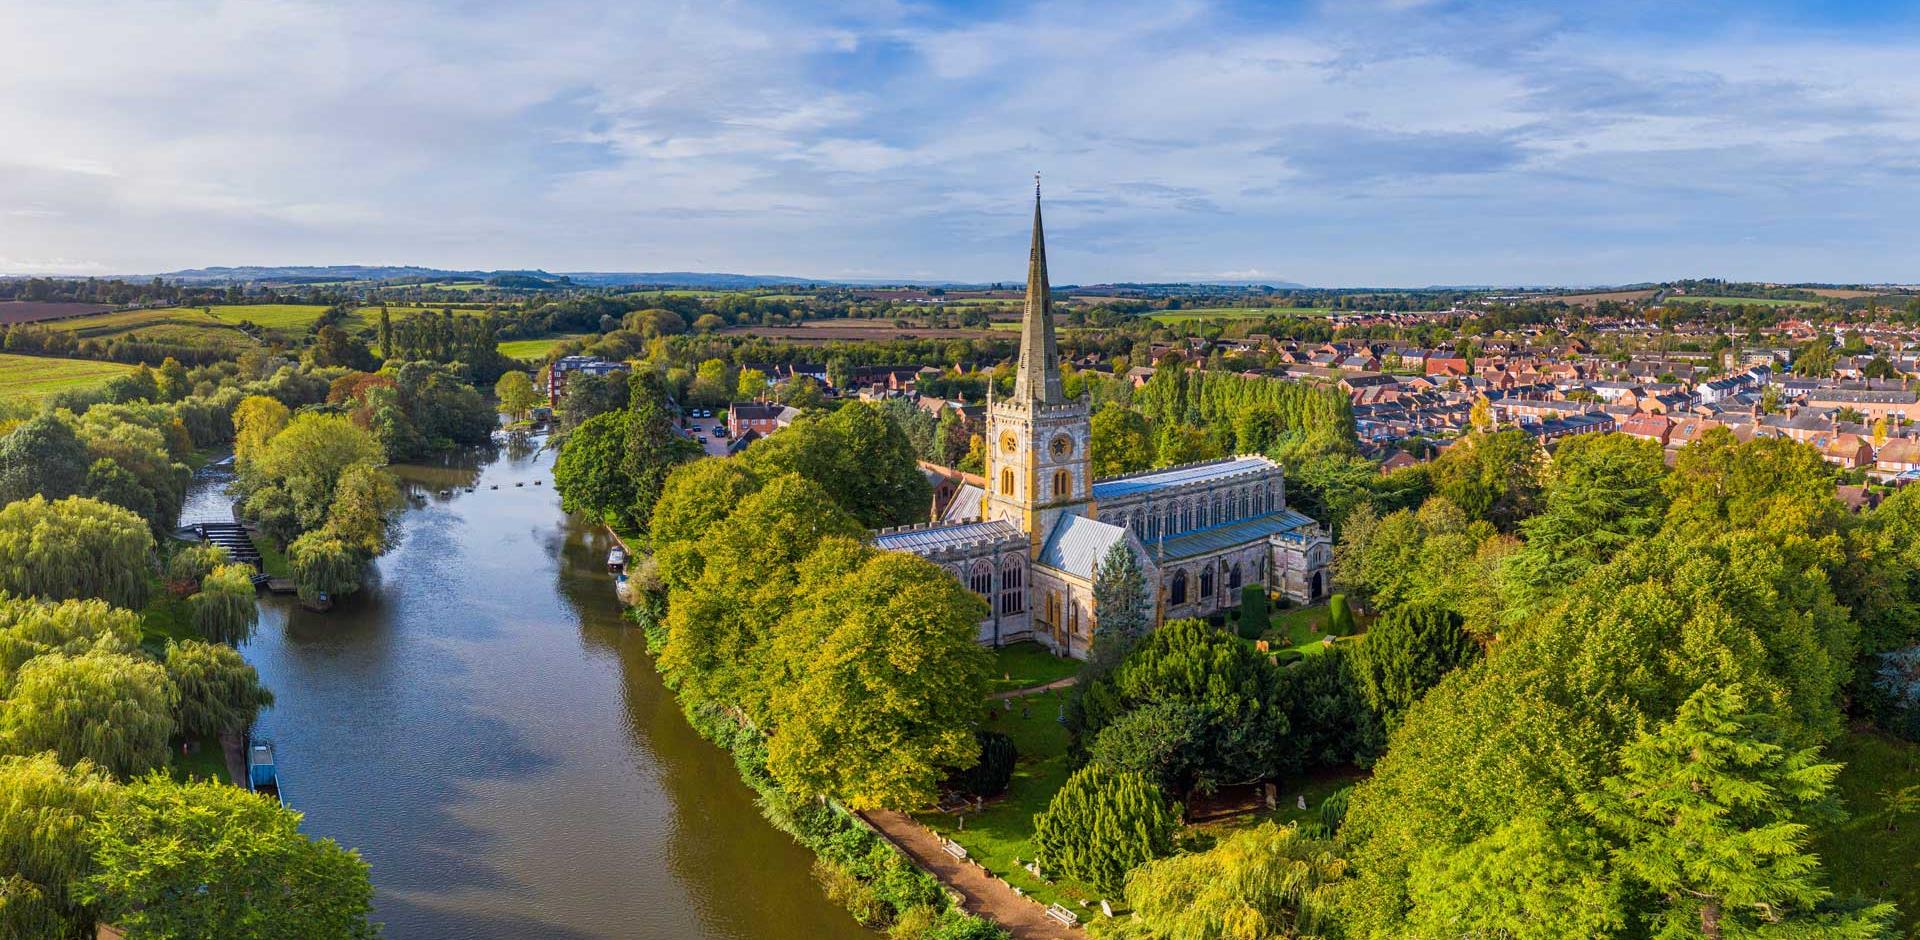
1039	464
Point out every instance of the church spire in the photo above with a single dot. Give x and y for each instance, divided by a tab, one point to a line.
1038	377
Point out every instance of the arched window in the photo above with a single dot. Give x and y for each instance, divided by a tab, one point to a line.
1172	523
981	582
1153	528
1233	577
1206	581
1053	608
1013	597
1062	484
1246	504
1186	517
1006	481
1177	594
1201	516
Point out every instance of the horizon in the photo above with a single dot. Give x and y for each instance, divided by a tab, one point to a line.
1399	144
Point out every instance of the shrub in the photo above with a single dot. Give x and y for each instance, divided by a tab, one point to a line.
1339	616
1253	611
991	774
1333	810
1100	825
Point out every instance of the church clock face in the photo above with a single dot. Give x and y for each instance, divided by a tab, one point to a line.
1009	443
1061	446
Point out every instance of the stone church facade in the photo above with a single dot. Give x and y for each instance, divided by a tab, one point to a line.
1030	541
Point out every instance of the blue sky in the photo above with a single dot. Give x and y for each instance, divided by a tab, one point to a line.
1395	143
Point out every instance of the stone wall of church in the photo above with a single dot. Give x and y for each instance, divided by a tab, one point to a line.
1200	587
1302	567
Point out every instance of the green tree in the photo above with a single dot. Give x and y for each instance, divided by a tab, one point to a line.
516	394
1158	740
213	860
751	385
74	548
113	709
1122	441
255	421
1408	651
1122	609
654	444
1266	882
171	380
43	455
1253	611
224	609
696	497
1606	494
109	482
881	684
712	383
44	811
1101	824
323	567
291	482
1711	815
864	461
588	473
219	690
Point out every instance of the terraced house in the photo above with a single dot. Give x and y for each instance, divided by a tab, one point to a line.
1031	538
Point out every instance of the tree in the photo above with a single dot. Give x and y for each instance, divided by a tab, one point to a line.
588	472
1267	882
1879	432
1329	719
989	775
1408	651
1122	441
112	709
209	859
879	683
1122	609
1159	741
44	811
386	334
1494	476
171	380
1101	824
654	445
1711	814
43	455
225	610
323	567
696	497
861	459
365	501
1606	494
255	421
74	548
712	383
1253	611
516	393
291	481
109	482
750	386
219	690
31	628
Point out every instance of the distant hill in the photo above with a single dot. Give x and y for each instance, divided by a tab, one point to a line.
517	279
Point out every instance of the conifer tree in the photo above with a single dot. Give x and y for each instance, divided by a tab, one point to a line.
1102	824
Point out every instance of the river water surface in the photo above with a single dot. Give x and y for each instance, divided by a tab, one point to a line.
490	734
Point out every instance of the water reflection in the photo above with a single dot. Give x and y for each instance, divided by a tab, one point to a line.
488	731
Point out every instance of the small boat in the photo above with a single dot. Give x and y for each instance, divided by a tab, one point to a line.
263	776
623	589
616	560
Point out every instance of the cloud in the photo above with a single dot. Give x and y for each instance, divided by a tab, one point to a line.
1379	143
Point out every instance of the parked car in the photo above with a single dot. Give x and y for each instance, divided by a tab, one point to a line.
719	431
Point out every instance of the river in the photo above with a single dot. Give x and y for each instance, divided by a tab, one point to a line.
484	727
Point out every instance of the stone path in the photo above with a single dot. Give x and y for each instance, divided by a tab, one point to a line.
981	893
1066	683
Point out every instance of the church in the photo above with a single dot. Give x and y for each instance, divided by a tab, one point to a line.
1030	541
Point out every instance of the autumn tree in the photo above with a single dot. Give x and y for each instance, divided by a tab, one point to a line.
255	421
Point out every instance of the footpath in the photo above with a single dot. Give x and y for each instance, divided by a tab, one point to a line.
1066	683
981	893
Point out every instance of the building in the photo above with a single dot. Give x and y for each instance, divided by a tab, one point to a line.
762	417
567	365
1200	531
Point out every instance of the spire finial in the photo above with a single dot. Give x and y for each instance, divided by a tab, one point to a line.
1036	184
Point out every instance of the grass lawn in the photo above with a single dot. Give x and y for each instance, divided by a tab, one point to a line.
1236	313
207	762
1003	831
1023	665
38	376
1876	852
535	348
1302	629
273	561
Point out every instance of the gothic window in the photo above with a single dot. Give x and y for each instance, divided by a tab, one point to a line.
1013	597
1171	524
1246	504
981	582
1200	514
1153	529
1206	581
1186	517
1062	484
1006	481
1177	594
1219	509
1053	608
1233	577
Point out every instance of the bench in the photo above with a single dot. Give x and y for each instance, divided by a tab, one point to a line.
1066	917
953	848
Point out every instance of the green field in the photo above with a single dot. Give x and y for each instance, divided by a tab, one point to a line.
1236	313
37	376
535	348
1875	852
1730	301
270	316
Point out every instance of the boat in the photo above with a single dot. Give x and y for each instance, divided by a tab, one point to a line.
623	589
263	776
616	560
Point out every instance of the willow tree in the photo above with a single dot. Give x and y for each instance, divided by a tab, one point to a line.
30	627
224	610
113	709
44	811
219	690
1269	881
74	548
323	566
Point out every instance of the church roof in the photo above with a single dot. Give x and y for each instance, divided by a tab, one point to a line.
1177	476
1285	523
1077	544
933	538
965	505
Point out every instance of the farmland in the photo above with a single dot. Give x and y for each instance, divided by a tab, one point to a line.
1734	301
189	325
37	376
828	331
32	311
1236	313
535	348
270	316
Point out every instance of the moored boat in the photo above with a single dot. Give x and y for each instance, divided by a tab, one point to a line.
263	775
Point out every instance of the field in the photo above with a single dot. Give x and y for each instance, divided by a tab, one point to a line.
33	311
1236	313
271	316
1875	852
1842	293
1588	300
37	376
848	330
1731	301
535	348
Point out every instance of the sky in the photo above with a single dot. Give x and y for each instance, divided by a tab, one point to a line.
1358	143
